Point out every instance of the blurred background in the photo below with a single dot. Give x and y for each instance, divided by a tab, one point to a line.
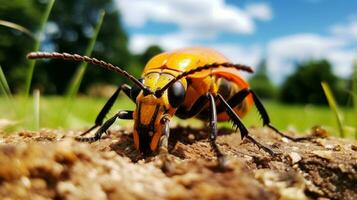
292	45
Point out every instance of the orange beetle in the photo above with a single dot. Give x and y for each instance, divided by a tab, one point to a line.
190	82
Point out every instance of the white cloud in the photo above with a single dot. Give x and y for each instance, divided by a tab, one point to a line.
284	52
259	11
203	15
195	19
139	42
348	30
342	60
248	55
204	20
303	45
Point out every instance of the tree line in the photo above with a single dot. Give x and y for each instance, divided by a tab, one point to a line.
304	85
69	29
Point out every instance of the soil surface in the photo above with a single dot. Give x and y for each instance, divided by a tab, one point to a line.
50	164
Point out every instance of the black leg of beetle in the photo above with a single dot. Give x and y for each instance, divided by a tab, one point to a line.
234	117
213	131
243	130
260	146
196	108
123	114
108	105
239	97
266	119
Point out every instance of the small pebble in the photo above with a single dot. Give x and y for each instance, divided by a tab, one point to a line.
191	137
66	187
337	148
286	140
323	154
294	157
25	181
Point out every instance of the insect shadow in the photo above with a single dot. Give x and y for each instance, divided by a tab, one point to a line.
124	145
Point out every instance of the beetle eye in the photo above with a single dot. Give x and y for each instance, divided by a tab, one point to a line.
135	90
176	94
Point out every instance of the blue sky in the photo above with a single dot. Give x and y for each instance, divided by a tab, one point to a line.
284	32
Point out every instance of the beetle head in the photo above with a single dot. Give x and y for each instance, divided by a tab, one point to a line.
150	109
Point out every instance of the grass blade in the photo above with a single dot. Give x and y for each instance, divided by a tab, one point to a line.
78	76
5	89
333	106
36	106
354	94
4	86
17	27
37	46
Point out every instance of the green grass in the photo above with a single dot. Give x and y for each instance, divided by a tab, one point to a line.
51	112
301	117
354	95
17	27
334	107
85	109
4	87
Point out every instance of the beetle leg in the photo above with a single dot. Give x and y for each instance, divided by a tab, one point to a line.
266	119
260	146
100	117
164	145
239	97
123	114
243	130
164	140
196	108
213	132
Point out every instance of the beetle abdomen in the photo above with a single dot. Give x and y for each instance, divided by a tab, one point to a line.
227	89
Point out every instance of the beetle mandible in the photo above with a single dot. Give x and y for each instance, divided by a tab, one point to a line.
190	82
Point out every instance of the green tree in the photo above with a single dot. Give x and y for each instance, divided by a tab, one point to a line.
261	83
14	45
304	86
69	29
140	60
73	23
150	52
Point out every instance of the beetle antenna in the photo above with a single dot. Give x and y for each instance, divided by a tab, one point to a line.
94	61
246	68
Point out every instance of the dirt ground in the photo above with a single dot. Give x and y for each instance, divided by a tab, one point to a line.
50	165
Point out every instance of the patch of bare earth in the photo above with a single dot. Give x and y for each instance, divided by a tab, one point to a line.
50	165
